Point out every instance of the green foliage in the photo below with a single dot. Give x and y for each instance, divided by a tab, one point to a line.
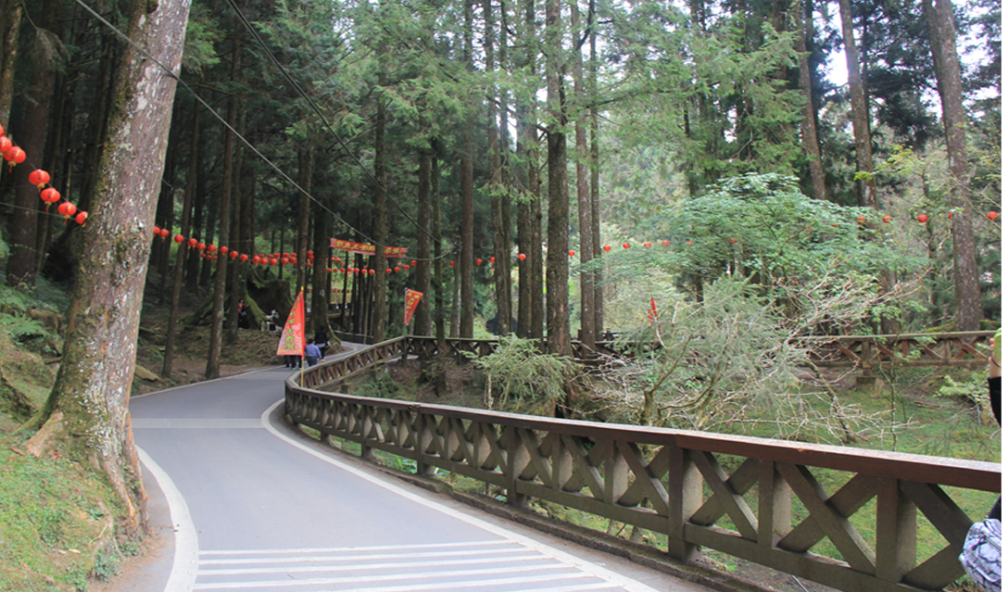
106	565
379	385
523	377
199	40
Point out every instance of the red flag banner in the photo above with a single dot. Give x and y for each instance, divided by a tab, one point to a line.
411	300
652	313
293	337
364	249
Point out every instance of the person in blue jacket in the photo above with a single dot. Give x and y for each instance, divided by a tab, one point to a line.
312	353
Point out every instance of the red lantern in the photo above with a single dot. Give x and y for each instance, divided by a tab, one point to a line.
234	254
992	215
156	230
210	248
626	245
452	264
521	257
389	271
201	246
414	262
371	272
81	217
5	144
572	253
192	242
492	259
1	130
406	267
309	255
887	219
479	261
178	238
38	178
67	209
284	260
647	243
243	257
15	156
224	250
50	195
921	218
861	219
607	247
396	269
666	242
328	270
164	233
273	261
257	259
950	215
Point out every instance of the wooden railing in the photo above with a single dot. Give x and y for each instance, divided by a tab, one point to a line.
753	498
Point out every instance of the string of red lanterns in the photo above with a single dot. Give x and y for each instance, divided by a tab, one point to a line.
15	155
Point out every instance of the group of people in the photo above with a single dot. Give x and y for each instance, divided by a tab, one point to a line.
316	349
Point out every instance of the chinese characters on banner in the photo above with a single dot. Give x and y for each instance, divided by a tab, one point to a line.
363	249
293	337
411	300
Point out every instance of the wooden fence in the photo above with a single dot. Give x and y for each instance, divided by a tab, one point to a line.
757	499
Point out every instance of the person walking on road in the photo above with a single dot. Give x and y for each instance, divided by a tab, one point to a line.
312	353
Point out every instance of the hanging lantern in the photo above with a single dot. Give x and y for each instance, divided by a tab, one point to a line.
328	270
666	242
572	253
626	245
887	219
950	215
389	271
178	238
688	242
15	156
992	215
607	247
38	178
224	250
414	262
164	233
284	260
5	144
81	217
243	257
210	248
521	257
922	218
50	196
192	242
234	254
67	209
479	261
452	264
406	267
861	219
273	261
256	259
156	230
201	246
371	272
492	259
396	269
309	255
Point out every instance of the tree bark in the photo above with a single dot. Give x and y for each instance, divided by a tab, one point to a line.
10	29
804	19
967	289
22	263
422	316
87	410
237	267
466	164
219	292
586	248
557	313
596	232
379	224
866	186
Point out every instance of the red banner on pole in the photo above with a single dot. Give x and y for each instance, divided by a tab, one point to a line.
411	300
364	249
293	338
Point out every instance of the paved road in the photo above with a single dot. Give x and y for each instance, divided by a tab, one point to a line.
257	507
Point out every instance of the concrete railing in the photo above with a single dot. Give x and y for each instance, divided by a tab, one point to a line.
753	498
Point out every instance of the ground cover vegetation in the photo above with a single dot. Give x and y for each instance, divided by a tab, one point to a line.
551	167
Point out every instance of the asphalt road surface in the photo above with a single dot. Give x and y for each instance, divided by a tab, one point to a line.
256	506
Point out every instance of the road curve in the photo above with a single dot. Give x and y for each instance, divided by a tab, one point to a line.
256	506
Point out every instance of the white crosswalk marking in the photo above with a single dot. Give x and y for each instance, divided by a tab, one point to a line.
496	565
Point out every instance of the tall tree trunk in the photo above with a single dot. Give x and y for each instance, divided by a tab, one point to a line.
22	263
596	233
502	292
586	248
219	293
967	290
466	166
422	316
525	149
804	19
303	219
189	193
557	294
436	220
10	30
866	186
237	267
88	406
379	224
321	253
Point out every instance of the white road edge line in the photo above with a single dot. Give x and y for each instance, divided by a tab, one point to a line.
588	567
185	568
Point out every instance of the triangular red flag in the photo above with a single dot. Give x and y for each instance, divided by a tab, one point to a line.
293	339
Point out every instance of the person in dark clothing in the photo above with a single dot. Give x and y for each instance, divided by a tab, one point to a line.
312	353
322	340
